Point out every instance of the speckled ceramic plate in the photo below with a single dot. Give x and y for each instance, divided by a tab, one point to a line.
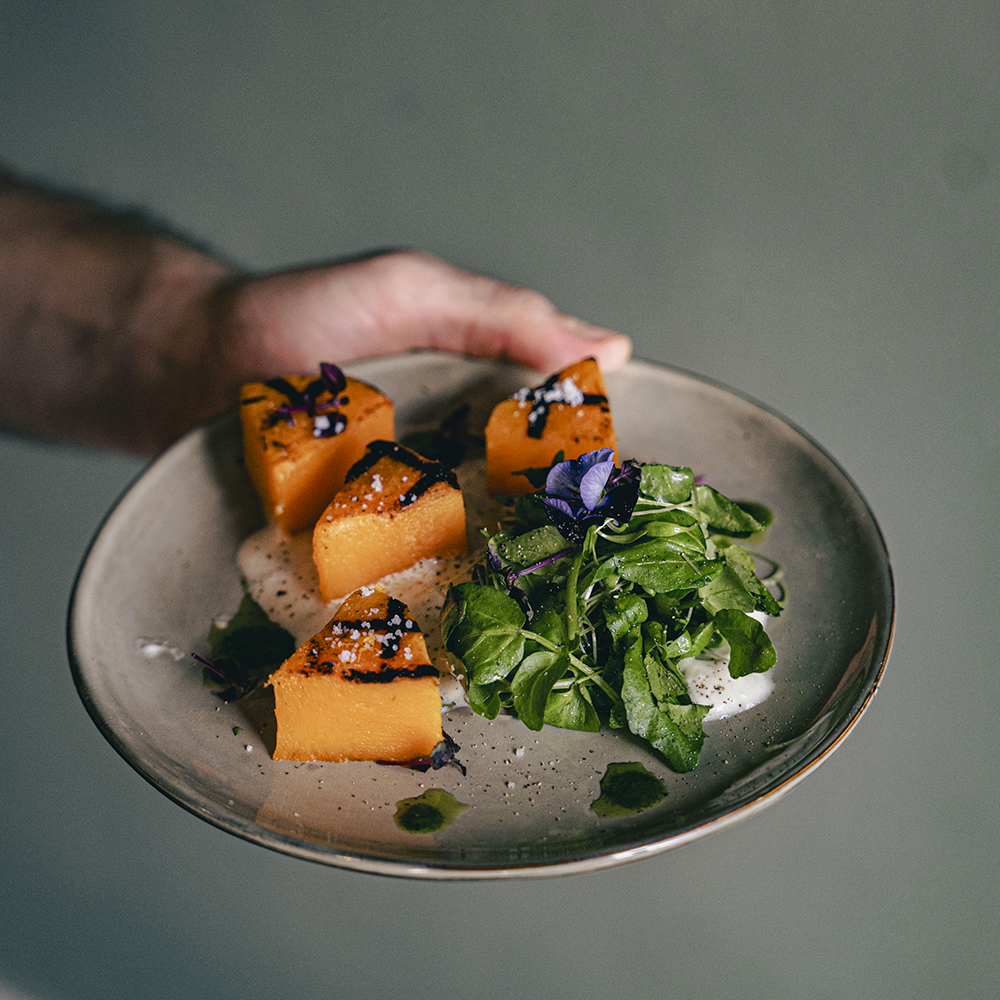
163	565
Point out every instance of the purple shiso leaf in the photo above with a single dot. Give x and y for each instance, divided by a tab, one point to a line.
441	756
327	419
333	378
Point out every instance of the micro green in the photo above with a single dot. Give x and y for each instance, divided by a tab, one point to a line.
325	414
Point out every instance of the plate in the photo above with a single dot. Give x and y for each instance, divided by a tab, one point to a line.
163	566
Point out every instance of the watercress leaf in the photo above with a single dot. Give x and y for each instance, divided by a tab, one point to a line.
742	564
572	709
764	516
666	483
532	546
532	684
726	591
752	650
684	537
690	643
675	730
529	512
549	620
484	699
655	565
636	694
481	627
679	736
664	684
722	514
623	612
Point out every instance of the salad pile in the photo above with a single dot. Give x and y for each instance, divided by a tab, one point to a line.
585	604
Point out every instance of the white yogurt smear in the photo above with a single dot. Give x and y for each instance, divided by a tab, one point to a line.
709	683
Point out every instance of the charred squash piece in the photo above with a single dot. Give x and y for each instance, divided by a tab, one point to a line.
362	688
569	412
395	509
300	439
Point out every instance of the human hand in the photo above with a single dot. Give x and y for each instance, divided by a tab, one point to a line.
397	302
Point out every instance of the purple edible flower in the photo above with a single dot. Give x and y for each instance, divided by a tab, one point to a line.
588	490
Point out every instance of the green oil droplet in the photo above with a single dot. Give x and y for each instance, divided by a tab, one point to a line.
426	813
627	789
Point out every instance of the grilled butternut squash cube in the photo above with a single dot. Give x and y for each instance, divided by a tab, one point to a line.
569	412
395	509
298	460
362	688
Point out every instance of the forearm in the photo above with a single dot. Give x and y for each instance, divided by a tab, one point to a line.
98	315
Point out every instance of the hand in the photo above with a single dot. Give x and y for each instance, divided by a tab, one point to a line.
228	329
396	302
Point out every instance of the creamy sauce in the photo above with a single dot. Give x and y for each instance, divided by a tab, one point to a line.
709	683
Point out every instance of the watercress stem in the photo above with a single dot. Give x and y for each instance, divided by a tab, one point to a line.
572	605
576	662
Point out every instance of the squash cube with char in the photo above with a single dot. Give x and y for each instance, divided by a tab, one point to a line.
362	688
300	439
395	509
567	413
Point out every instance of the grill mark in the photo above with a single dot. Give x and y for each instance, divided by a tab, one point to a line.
538	415
428	471
384	676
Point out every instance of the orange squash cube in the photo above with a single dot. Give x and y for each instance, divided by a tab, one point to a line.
395	509
295	468
362	688
569	412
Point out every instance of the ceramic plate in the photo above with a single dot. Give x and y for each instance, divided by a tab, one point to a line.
163	566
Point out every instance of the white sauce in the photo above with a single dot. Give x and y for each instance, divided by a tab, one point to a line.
709	683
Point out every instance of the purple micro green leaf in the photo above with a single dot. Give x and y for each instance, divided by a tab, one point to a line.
326	417
333	378
441	756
